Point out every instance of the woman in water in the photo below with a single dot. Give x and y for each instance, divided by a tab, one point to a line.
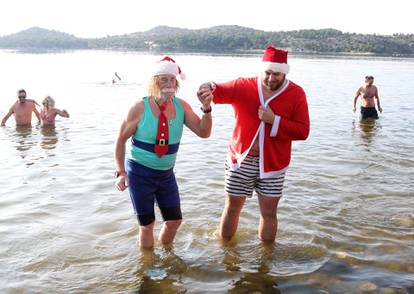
49	112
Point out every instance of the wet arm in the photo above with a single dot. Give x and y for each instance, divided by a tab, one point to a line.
36	112
201	127
356	97
378	100
128	128
6	117
34	101
62	112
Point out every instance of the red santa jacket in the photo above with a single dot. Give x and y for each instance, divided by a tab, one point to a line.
275	141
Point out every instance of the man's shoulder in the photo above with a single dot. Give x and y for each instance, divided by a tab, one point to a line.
136	109
139	104
14	105
31	102
182	102
249	82
295	88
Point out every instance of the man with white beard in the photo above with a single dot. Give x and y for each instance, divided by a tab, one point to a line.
155	124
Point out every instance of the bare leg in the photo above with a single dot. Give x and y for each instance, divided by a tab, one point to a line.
168	231
230	216
146	235
268	218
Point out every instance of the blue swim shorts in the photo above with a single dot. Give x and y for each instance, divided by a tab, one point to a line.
147	185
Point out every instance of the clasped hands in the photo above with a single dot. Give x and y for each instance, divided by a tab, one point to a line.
205	95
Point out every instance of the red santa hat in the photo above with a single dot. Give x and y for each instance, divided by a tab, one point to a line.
275	60
167	66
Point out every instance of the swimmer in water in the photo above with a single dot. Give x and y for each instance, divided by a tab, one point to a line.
22	110
368	93
49	112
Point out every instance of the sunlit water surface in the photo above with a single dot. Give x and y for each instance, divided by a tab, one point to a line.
346	221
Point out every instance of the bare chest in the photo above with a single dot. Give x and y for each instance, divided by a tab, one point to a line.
22	110
267	95
367	92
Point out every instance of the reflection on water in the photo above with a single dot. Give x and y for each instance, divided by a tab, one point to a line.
23	139
49	137
255	283
367	129
259	278
160	270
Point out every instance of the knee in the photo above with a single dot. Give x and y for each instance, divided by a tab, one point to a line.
233	210
268	216
173	224
147	228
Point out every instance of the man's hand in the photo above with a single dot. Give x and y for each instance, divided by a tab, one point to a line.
266	114
354	109
205	95
121	183
206	86
380	109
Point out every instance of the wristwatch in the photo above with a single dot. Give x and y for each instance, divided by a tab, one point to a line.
119	173
205	110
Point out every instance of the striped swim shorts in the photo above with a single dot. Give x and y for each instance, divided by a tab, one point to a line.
246	179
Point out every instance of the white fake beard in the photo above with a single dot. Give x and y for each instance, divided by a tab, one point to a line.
168	91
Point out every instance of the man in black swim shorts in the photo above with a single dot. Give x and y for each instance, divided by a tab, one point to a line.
368	93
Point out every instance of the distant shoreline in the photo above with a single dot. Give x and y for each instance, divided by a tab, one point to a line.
221	40
213	53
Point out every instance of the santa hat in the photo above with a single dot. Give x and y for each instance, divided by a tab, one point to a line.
167	66
275	60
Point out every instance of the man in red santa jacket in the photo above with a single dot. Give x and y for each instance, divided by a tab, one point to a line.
270	113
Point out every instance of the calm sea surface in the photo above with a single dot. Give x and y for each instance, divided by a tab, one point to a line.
346	221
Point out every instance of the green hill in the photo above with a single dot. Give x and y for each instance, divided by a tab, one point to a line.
219	39
38	38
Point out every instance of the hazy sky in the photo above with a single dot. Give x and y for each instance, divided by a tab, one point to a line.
93	18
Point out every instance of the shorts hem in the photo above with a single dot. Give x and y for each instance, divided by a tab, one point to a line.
238	195
270	196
